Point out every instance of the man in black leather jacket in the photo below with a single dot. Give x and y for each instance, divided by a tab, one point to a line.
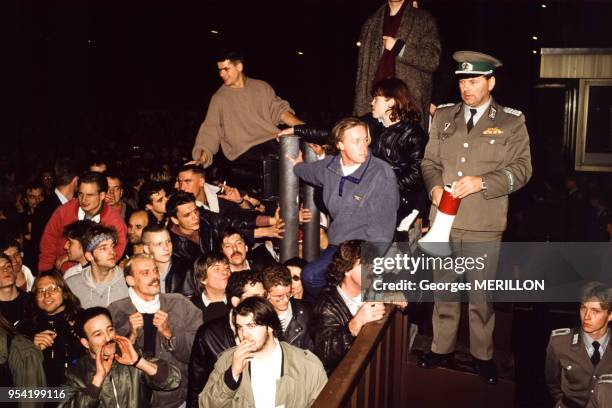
176	273
293	314
195	231
216	336
339	314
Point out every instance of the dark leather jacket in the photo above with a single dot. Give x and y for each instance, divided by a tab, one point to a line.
133	385
211	225
211	339
180	277
329	328
297	333
401	145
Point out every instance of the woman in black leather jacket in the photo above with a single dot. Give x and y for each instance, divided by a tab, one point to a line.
397	138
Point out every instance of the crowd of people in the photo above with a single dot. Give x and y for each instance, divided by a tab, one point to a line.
154	282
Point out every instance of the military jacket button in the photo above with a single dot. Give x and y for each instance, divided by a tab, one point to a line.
466	145
463	160
492	141
460	173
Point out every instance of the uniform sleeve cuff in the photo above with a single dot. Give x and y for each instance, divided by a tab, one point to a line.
228	378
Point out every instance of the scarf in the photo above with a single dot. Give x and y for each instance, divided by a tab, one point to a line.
143	306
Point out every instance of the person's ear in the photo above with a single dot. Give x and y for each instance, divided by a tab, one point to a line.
102	195
235	301
129	280
174	220
89	256
340	146
239	66
491	83
85	343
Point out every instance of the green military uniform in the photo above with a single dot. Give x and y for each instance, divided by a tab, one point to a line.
571	378
496	149
602	397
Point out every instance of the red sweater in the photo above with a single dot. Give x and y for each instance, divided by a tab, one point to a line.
52	241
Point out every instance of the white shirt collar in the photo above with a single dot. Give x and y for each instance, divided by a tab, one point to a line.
353	303
479	111
588	343
286	317
61	197
207	301
81	216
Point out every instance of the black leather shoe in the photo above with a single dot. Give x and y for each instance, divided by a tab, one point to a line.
433	360
486	369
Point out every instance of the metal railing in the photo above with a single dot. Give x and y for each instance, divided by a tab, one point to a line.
371	373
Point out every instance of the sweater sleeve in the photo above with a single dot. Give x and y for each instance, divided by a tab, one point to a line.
210	133
277	105
51	235
311	172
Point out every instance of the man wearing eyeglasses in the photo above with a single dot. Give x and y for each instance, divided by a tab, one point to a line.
263	371
293	314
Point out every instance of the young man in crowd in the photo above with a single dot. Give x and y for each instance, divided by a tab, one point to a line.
137	222
261	370
295	266
114	194
10	246
577	358
112	373
163	325
89	205
176	274
152	198
293	314
235	250
100	283
212	273
12	300
218	335
359	190
339	314
74	234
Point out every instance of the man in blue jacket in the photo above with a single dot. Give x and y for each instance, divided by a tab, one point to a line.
359	190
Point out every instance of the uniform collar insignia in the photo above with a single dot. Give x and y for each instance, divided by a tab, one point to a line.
493	131
492	112
446	126
575	339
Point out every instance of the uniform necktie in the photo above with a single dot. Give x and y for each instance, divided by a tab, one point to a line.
470	122
595	357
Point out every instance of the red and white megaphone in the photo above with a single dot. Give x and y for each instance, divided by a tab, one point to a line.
436	241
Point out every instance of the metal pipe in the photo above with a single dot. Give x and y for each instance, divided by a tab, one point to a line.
289	188
310	244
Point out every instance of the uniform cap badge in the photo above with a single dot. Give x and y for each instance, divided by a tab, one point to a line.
466	66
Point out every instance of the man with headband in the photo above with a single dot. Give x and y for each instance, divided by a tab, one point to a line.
100	283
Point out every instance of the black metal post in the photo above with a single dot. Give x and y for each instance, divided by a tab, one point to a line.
289	188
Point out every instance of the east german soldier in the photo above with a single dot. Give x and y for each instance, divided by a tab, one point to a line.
579	360
483	148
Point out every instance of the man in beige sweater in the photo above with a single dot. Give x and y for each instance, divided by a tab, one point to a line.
243	113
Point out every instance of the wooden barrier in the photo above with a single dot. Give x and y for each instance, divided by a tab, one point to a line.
371	373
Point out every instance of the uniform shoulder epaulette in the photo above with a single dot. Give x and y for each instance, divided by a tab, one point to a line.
560	332
514	112
445	105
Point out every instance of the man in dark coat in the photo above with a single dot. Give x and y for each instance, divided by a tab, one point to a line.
401	41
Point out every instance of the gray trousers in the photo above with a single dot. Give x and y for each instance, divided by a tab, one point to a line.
446	314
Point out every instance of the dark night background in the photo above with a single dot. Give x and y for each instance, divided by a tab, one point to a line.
139	71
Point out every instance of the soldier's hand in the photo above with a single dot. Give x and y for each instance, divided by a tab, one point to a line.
436	195
389	42
467	185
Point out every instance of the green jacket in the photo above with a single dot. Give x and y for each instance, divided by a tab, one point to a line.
25	364
132	385
302	379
